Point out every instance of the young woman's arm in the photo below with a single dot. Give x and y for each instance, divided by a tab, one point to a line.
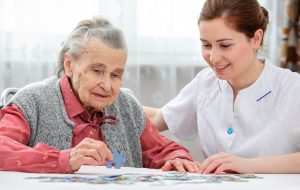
225	162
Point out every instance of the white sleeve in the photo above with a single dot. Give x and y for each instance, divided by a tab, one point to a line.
292	124
180	114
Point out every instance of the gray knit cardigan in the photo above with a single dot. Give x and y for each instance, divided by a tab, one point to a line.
43	107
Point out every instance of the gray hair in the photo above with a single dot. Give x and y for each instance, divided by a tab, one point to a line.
97	27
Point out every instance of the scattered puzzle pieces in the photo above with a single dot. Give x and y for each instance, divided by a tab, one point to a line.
167	178
118	159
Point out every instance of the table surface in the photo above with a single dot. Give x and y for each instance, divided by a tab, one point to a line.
17	180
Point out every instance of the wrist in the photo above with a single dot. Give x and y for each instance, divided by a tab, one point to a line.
64	161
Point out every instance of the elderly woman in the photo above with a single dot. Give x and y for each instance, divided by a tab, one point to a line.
77	117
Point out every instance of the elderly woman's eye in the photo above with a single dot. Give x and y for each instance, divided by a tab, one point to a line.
98	71
116	75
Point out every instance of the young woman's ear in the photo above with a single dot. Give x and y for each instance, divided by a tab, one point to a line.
67	64
257	38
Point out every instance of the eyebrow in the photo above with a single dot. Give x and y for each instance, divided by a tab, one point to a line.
121	70
98	65
221	40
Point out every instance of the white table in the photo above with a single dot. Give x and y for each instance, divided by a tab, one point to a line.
16	180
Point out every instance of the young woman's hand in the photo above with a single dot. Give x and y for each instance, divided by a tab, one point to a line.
225	162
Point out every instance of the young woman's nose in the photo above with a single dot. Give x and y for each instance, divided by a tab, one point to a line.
214	55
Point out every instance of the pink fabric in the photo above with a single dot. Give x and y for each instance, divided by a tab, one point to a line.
15	135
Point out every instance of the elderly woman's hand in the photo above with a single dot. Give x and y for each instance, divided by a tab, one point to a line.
89	152
182	165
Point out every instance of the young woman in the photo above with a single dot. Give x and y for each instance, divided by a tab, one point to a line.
244	109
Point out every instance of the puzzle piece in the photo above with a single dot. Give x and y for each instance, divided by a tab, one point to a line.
118	159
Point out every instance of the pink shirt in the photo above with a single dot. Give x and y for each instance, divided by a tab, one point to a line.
15	135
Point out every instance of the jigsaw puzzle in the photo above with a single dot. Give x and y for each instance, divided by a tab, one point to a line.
167	178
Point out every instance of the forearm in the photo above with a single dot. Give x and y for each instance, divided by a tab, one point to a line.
157	149
156	117
289	163
158	156
40	159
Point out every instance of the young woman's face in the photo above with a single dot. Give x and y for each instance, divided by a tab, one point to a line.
96	76
228	52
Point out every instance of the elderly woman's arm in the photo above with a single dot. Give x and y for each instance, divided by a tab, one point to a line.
160	152
16	156
156	117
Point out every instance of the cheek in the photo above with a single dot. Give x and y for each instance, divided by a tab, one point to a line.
84	85
205	55
116	90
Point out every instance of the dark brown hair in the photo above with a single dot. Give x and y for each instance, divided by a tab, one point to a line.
245	16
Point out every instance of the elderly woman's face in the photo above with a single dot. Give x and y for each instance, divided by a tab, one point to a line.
96	76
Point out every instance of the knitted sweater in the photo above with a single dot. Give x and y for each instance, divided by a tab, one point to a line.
43	107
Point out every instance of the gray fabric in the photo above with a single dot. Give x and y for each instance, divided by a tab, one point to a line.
43	106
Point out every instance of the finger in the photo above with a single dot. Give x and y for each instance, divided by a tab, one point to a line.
109	154
210	159
178	165
101	147
104	151
189	166
85	160
213	166
90	153
223	168
78	161
167	167
89	161
199	167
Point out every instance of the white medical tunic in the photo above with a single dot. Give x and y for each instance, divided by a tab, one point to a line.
263	120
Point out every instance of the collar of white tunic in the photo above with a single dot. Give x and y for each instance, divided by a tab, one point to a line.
260	89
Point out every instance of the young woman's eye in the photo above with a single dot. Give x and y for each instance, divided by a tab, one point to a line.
206	46
225	45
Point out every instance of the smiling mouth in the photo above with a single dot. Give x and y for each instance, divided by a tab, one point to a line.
221	68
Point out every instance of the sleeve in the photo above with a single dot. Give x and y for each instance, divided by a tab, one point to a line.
180	114
157	149
16	156
291	105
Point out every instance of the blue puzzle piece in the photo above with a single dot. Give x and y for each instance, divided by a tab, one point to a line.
118	159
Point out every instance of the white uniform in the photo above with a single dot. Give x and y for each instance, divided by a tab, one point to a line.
264	120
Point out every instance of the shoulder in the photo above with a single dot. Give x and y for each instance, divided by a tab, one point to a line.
37	89
204	81
127	103
127	96
39	86
206	77
286	84
284	78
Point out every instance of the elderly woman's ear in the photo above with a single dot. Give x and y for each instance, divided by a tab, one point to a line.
67	64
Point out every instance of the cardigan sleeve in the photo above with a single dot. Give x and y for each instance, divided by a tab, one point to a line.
157	149
17	156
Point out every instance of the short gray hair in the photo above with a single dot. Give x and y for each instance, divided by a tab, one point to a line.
97	27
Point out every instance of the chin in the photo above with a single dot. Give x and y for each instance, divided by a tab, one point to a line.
222	77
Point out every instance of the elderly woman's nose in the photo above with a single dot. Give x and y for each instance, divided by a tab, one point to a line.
106	82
